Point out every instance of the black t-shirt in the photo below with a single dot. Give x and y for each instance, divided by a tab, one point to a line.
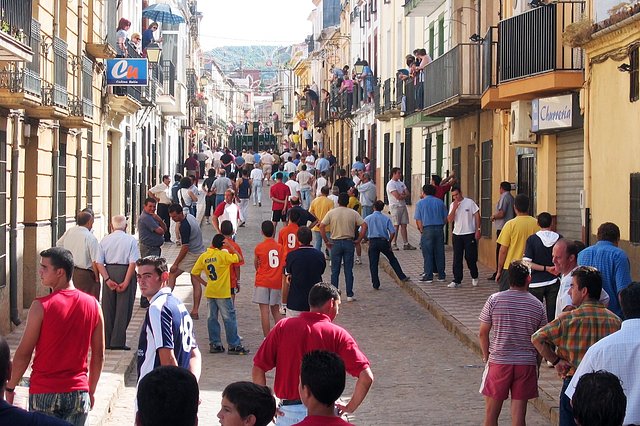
208	184
344	183
536	250
305	216
306	266
226	159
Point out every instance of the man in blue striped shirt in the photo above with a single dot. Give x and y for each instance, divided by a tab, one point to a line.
380	231
430	216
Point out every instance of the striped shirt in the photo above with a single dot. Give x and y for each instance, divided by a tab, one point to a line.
576	331
514	316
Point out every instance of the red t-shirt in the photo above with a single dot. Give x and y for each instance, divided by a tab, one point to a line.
441	190
288	239
235	268
279	191
60	363
270	264
323	421
291	338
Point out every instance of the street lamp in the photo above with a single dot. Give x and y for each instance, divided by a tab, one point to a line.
358	66
153	53
283	110
204	81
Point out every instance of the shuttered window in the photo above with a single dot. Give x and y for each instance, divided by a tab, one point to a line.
634	74
634	206
486	207
3	208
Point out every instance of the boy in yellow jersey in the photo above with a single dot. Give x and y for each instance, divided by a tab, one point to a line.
216	264
269	264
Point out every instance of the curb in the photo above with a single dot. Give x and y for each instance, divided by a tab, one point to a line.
546	403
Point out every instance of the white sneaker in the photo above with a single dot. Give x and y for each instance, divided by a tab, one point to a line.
351	299
358	261
474	282
394	247
453	285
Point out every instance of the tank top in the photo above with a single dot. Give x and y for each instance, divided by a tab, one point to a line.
243	189
60	364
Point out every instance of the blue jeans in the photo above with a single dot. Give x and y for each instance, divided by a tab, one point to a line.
72	407
292	414
566	412
342	250
317	239
228	312
305	194
377	246
366	211
432	245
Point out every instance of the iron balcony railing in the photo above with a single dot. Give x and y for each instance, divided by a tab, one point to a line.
387	102
21	80
410	96
15	16
531	43
148	93
399	92
134	92
191	83
453	74
490	59
80	107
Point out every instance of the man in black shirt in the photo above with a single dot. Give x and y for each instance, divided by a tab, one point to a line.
227	160
343	182
306	218
304	268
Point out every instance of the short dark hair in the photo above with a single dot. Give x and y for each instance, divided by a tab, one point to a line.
599	400
217	241
175	208
590	278
436	179
166	177
303	167
304	235
521	203
226	228
505	185
279	175
83	217
249	399
5	358
186	182
168	395
394	170
544	220
429	189
159	263
378	205
267	228
294	215
571	247
456	188
609	232
321	293
342	172
630	300
518	273
343	199
60	258
324	374
150	200
292	175
324	190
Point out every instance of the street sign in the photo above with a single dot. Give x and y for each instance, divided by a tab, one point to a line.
127	72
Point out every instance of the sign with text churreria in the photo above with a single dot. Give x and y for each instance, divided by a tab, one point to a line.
127	72
556	113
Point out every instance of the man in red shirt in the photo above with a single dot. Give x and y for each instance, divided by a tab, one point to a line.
288	237
291	338
443	186
268	261
61	327
279	194
226	229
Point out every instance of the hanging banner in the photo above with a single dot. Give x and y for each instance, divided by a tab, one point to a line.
127	72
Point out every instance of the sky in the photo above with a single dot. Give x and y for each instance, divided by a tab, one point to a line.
252	22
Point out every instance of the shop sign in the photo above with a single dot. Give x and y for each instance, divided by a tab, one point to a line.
555	113
127	72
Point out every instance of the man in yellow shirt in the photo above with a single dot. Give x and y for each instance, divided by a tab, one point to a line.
319	207
513	238
216	264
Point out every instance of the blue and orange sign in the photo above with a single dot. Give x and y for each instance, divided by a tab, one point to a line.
127	72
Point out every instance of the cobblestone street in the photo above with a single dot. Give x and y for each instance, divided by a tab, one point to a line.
423	374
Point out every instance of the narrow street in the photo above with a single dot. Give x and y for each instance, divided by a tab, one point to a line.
423	375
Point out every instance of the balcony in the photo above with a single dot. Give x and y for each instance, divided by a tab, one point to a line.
452	82
532	58
125	100
148	93
15	31
413	115
490	94
390	106
105	48
80	114
20	89
200	114
167	82
423	8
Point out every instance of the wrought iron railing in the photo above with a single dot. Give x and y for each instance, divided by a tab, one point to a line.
399	92
456	73
386	95
410	96
490	59
191	83
531	42
15	19
21	81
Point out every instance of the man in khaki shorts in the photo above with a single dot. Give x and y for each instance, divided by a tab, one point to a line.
267	161
397	193
192	247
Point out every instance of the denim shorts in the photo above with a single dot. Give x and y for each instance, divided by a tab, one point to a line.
72	407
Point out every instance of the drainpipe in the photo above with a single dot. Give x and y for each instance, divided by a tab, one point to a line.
17	119
479	112
80	100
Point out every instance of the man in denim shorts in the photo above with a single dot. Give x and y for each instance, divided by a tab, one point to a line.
397	193
514	315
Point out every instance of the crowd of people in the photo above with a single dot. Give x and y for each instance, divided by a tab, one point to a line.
557	300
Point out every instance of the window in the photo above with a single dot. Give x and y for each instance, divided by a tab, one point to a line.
634	74
59	213
441	35
3	207
634	206
486	207
456	162
90	168
432	37
427	157
387	163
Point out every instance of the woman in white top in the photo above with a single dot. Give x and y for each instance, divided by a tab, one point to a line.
187	197
122	36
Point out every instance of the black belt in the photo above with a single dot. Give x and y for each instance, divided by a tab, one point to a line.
378	238
286	402
341	239
84	269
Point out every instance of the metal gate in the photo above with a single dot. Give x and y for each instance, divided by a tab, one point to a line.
569	183
527	179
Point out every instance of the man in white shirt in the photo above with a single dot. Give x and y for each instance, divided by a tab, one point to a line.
208	161
216	159
367	190
293	185
321	182
397	193
289	167
305	179
256	177
617	353
310	161
267	160
465	215
161	193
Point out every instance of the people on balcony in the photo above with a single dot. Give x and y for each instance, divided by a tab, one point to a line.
148	38
312	96
422	60
347	86
366	82
135	42
122	37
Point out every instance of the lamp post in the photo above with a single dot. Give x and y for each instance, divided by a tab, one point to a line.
153	53
358	66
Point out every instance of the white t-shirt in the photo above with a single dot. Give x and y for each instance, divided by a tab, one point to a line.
256	175
333	198
294	187
267	159
400	187
289	167
304	177
310	161
465	223
320	183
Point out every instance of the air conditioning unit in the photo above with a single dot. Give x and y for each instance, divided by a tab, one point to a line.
520	6
520	128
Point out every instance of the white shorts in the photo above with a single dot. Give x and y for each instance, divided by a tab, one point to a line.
399	215
267	296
